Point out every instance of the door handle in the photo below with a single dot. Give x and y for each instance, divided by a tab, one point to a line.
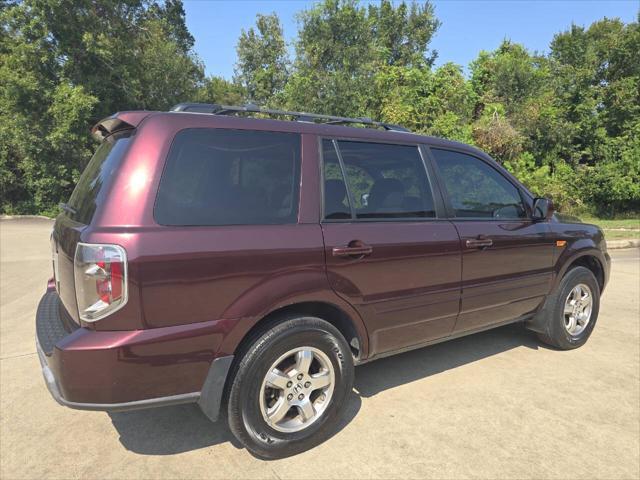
479	243
354	249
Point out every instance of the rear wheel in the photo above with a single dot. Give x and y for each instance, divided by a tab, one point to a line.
573	310
289	387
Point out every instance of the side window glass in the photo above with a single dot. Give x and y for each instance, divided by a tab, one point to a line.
336	201
360	183
475	189
386	181
230	177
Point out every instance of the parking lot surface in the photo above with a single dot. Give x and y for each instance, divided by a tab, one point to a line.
493	405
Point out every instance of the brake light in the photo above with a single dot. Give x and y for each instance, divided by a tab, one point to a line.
100	273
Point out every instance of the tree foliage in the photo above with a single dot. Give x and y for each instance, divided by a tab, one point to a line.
262	59
218	90
66	64
566	122
342	45
402	34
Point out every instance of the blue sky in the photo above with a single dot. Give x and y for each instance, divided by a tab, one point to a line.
468	26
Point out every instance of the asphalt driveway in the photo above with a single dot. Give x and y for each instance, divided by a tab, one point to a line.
493	405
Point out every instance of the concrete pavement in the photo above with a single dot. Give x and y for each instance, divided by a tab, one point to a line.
493	405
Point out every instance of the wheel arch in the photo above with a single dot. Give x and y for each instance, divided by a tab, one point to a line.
591	263
589	259
312	299
329	311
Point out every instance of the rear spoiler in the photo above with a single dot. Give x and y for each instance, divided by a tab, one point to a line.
116	123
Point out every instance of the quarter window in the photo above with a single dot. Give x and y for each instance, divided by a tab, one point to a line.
230	177
477	190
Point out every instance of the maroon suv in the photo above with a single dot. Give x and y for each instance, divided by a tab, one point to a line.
247	264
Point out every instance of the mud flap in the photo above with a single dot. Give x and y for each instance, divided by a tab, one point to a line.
213	388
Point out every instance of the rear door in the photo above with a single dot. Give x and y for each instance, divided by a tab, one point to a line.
388	252
507	257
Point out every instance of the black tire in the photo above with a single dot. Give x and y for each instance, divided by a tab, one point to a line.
556	334
245	417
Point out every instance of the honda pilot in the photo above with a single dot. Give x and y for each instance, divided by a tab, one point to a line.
246	259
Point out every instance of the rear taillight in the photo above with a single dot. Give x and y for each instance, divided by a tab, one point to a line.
100	273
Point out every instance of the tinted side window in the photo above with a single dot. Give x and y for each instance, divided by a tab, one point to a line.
230	177
361	182
386	181
475	189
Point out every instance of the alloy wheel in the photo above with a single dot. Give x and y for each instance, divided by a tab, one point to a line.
297	389
577	309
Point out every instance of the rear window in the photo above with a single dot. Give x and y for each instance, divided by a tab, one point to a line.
230	177
94	181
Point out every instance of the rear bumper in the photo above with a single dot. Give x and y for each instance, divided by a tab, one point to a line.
52	385
128	370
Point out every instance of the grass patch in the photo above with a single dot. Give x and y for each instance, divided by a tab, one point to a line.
627	224
621	234
622	229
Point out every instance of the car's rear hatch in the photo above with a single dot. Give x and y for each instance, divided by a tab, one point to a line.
90	192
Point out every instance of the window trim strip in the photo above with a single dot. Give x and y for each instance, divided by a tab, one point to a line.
352	208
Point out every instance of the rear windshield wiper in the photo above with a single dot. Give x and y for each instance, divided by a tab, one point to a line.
68	208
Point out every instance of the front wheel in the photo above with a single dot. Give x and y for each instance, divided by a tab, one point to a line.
573	310
289	387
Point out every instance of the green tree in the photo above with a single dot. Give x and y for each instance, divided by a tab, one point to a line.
402	34
567	123
436	103
172	12
568	114
612	185
334	54
262	60
597	82
65	64
342	46
510	75
513	93
218	90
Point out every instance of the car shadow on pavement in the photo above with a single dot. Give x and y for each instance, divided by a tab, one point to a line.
169	430
182	428
390	372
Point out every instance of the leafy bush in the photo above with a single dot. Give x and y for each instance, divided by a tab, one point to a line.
566	123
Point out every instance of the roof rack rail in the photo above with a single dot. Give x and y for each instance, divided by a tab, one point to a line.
216	109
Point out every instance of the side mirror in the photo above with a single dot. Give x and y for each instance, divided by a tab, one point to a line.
542	208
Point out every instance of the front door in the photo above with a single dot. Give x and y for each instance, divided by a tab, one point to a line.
387	252
507	258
